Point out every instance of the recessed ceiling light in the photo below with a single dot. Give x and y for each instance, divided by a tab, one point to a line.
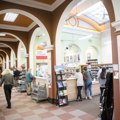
10	17
2	34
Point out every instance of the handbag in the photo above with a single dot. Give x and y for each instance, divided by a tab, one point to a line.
84	77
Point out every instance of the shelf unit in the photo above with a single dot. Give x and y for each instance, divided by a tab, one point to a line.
94	66
39	92
61	83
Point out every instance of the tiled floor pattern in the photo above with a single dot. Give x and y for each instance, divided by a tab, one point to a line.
24	108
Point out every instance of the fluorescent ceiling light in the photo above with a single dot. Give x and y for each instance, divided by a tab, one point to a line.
2	34
10	17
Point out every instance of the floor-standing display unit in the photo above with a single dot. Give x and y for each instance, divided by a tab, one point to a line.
61	83
39	92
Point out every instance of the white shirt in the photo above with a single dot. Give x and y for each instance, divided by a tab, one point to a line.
79	78
98	74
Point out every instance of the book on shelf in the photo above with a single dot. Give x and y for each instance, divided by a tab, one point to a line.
60	84
65	83
65	92
59	77
62	92
62	101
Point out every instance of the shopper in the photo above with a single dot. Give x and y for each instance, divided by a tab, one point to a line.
88	83
102	81
16	74
108	101
29	79
7	79
80	84
99	71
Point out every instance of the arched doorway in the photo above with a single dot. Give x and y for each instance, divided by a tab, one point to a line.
73	20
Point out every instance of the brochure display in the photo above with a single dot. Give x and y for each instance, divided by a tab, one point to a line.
61	83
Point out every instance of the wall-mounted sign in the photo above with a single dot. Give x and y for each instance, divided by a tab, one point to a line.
41	54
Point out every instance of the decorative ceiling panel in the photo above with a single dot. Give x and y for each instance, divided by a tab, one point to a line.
21	20
46	1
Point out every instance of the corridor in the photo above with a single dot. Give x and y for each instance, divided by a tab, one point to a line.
24	108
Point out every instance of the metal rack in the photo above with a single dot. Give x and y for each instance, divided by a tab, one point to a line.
39	92
21	86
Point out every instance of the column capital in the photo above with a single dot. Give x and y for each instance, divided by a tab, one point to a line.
116	25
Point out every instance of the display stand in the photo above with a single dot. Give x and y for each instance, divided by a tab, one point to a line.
21	86
39	92
94	67
61	83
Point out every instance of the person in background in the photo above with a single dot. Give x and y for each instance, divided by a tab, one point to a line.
23	72
99	71
29	79
0	73
7	79
102	81
80	84
88	83
16	74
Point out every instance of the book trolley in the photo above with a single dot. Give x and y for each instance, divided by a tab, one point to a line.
61	83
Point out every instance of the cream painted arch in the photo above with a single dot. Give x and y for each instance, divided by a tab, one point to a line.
116	7
61	23
3	62
18	49
15	37
33	37
29	15
7	58
94	50
10	48
35	19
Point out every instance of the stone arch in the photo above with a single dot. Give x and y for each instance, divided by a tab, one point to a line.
3	61
15	37
8	47
25	13
62	20
6	59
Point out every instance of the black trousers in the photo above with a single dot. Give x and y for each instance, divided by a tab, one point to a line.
101	93
7	91
79	95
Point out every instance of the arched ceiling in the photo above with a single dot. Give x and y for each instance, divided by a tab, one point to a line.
25	24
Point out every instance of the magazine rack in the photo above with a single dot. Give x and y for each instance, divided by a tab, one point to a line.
61	83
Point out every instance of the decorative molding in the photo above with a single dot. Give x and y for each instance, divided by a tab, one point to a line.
17	28
31	26
8	39
49	48
56	4
116	25
38	5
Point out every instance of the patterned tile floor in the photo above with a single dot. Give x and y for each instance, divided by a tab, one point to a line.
24	108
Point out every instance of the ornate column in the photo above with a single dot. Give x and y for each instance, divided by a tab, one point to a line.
116	69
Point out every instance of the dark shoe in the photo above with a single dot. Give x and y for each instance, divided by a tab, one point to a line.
77	100
28	93
9	107
80	100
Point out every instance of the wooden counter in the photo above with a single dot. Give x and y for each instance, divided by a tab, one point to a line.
72	89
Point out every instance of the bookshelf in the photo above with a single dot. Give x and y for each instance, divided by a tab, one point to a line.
94	67
61	83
